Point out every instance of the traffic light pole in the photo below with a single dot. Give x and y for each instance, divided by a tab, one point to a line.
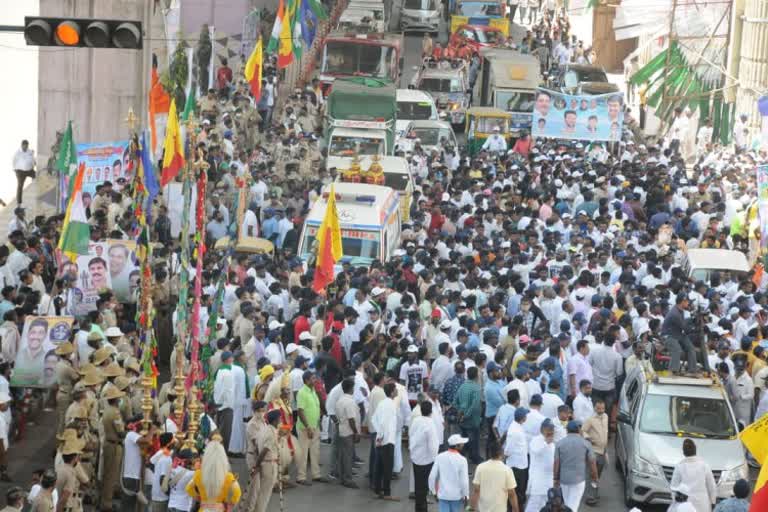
11	28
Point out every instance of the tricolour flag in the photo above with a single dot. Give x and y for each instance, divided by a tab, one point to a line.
173	156
755	438
274	37
285	40
329	249
253	70
66	160
75	233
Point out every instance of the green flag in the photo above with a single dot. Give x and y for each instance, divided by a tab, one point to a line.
66	160
189	106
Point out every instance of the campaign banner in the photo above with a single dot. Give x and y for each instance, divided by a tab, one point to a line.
762	203
124	270
578	117
92	277
35	364
104	161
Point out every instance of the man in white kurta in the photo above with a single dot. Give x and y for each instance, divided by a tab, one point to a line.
542	461
697	474
240	412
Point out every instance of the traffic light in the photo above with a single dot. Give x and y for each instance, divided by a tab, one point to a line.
86	33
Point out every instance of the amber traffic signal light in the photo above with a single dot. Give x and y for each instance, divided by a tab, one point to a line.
85	33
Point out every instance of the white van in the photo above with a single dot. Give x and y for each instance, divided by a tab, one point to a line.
700	264
413	105
370	222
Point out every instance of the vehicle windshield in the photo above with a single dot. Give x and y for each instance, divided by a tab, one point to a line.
422	5
489	36
396	180
487	124
684	415
573	77
480	9
440	85
431	136
515	101
414	110
354	243
350	146
348	58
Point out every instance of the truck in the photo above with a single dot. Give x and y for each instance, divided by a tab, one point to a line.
359	120
350	54
508	80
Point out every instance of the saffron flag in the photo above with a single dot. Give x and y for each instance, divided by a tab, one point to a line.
66	160
173	152
76	232
755	438
159	103
329	249
253	70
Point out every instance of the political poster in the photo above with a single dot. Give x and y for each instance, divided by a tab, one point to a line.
124	269
93	277
104	161
35	364
580	117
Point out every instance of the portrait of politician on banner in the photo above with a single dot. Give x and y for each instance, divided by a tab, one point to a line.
124	272
580	117
36	359
93	277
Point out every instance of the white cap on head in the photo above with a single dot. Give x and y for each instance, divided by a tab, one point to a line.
457	439
291	348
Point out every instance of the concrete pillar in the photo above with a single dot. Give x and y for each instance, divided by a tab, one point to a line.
95	87
753	62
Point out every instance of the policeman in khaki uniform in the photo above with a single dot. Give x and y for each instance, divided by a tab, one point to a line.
14	499
43	502
69	477
126	405
252	455
112	451
66	378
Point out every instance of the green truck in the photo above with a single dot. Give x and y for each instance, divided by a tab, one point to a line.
359	120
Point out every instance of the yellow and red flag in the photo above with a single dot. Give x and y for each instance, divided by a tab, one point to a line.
173	156
329	249
253	70
755	438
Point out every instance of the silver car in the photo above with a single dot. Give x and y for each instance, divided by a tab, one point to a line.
655	415
421	15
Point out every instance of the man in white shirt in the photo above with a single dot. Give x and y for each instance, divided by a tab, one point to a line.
384	422
178	478
495	143
24	167
449	478
250	225
442	368
161	461
223	396
516	451
18	222
582	404
424	446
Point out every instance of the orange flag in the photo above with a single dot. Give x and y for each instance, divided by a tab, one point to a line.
159	102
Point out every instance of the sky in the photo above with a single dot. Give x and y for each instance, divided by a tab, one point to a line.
18	92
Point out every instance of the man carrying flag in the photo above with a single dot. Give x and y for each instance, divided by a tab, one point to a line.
329	249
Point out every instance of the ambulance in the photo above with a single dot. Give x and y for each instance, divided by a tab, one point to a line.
370	221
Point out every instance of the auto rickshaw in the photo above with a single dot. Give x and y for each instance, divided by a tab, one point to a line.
248	245
480	124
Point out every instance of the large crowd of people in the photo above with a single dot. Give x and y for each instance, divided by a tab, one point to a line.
482	360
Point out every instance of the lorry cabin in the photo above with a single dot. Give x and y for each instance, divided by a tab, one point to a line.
490	13
508	80
360	119
369	216
347	54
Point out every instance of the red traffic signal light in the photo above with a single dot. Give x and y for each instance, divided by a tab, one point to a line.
87	33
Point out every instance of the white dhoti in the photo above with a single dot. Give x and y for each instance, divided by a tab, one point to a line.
535	502
397	466
572	494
